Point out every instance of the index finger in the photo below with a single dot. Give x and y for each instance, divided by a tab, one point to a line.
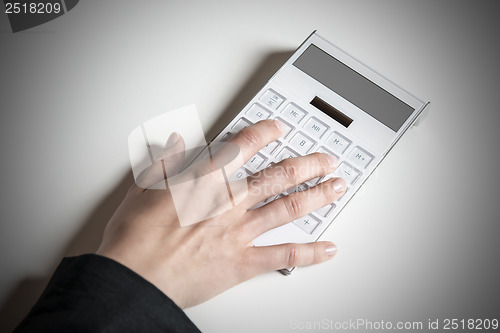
253	138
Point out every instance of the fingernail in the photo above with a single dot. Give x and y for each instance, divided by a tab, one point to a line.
331	250
172	139
280	125
339	185
334	162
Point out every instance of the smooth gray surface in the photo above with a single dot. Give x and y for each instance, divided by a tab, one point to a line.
419	242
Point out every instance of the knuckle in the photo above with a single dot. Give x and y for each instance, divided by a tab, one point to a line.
293	204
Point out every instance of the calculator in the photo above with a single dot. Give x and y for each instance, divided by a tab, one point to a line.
331	103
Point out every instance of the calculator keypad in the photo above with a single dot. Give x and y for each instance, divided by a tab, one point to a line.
338	142
286	153
272	99
302	143
271	147
294	113
304	133
347	172
241	124
288	128
257	113
307	223
256	162
360	157
315	127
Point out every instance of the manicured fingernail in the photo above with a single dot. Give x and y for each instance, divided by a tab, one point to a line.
280	125
331	250
172	139
339	185
334	162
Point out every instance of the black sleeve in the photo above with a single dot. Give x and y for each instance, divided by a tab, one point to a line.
91	293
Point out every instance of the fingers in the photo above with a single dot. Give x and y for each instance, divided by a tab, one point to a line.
286	174
238	150
269	258
166	164
293	206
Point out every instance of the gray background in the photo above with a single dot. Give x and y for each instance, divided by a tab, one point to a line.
419	242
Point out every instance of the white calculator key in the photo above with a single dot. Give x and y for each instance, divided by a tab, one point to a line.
327	151
271	147
302	143
360	157
241	124
272	99
325	210
239	174
286	153
315	127
257	113
227	136
293	113
338	142
347	172
288	128
307	223
255	162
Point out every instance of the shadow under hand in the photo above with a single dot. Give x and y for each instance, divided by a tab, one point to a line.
88	238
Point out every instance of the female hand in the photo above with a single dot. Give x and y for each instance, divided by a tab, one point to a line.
193	263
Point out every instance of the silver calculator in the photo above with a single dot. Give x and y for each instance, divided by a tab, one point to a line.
330	103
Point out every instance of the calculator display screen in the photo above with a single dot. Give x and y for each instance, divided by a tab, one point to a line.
354	87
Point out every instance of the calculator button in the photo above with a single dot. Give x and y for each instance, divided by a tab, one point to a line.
257	113
293	113
271	147
272	99
315	127
241	124
347	172
325	210
288	128
255	162
239	174
286	153
307	223
302	143
360	157
326	151
338	143
227	136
